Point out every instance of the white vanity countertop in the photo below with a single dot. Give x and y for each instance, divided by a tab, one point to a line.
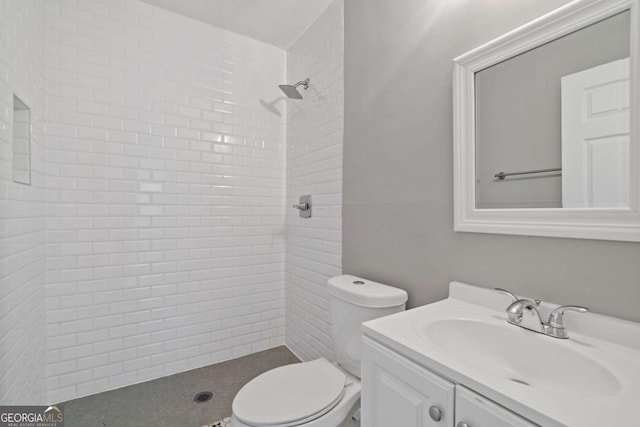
612	343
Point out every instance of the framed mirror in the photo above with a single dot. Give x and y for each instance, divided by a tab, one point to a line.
546	127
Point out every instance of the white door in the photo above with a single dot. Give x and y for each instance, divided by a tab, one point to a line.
595	137
398	393
473	410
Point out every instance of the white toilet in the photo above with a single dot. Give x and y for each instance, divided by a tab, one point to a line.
320	393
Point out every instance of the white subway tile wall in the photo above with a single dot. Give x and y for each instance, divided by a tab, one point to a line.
158	216
314	166
22	210
21	143
166	195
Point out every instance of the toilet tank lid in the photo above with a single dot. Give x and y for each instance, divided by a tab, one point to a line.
365	293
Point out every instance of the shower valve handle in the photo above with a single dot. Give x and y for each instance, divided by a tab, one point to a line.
302	206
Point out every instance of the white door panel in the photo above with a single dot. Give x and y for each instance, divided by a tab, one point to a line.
595	137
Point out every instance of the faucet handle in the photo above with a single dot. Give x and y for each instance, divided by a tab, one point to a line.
556	318
511	294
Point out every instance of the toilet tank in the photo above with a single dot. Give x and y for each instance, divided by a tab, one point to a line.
354	300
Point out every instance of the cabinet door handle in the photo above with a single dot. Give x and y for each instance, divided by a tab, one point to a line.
462	424
435	413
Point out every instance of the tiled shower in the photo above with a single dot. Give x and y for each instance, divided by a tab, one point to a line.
157	234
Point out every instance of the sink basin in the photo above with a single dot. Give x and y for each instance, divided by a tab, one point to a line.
591	379
522	356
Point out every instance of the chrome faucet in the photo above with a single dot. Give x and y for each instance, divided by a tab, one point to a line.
524	313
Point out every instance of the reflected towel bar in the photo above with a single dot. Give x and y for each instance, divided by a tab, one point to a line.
502	175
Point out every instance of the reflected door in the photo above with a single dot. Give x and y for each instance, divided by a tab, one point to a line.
595	137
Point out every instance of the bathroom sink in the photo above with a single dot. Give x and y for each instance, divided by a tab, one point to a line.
521	356
590	379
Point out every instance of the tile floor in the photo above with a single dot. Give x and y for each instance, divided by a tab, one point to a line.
168	401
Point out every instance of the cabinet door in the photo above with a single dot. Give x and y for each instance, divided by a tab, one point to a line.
398	393
473	410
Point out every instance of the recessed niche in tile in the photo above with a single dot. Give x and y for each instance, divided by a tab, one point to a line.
21	142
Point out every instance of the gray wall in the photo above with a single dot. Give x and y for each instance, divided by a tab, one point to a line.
518	120
398	185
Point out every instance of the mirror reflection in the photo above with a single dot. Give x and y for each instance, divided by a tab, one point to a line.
552	124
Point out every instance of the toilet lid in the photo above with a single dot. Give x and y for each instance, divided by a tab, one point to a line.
290	394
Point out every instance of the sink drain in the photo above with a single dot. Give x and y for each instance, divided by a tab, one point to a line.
203	396
515	380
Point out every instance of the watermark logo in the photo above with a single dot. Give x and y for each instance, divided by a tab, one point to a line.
31	416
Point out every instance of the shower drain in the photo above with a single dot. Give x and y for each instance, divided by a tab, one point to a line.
203	396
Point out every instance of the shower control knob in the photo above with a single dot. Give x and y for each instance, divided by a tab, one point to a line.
435	413
462	424
304	206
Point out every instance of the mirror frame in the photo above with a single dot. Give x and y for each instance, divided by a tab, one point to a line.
585	223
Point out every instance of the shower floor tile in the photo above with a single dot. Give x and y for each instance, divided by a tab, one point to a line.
168	401
222	423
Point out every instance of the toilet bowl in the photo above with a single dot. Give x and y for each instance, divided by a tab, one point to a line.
310	394
320	393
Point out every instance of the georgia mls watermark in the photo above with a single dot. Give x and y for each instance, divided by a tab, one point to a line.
31	416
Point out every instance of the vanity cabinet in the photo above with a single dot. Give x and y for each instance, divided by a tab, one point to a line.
399	392
474	410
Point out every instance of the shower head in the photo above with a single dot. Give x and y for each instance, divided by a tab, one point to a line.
292	92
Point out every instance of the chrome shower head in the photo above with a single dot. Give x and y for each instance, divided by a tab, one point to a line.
291	90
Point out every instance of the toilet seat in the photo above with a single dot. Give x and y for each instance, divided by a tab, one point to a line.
290	395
